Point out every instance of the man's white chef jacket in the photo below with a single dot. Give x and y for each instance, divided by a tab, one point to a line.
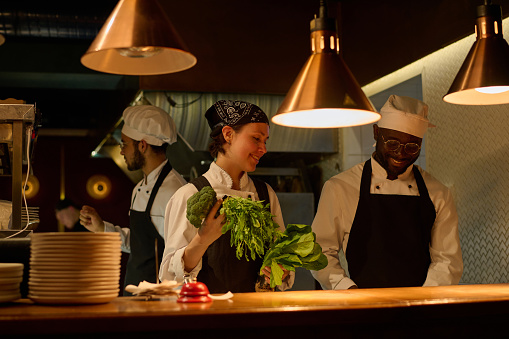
139	200
336	213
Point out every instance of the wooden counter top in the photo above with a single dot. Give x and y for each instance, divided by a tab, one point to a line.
463	309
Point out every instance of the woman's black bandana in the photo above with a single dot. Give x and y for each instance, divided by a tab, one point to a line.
233	113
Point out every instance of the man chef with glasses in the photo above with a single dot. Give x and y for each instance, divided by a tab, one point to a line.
392	222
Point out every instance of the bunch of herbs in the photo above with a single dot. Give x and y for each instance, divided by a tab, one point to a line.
252	228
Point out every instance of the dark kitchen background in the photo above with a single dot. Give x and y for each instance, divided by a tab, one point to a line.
243	47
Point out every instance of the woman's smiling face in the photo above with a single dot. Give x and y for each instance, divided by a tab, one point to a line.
247	145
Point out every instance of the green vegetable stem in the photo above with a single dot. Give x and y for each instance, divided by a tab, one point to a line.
297	247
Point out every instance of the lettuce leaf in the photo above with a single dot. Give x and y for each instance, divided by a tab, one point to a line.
296	247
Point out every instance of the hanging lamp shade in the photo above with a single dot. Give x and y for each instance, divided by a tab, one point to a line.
325	94
138	39
2	39
483	79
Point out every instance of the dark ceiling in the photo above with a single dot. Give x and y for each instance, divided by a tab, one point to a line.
247	46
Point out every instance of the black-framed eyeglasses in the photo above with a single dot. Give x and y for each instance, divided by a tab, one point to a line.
394	145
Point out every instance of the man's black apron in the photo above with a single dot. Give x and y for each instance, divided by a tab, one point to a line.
142	262
221	270
390	236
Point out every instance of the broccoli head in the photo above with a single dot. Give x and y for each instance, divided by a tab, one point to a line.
199	205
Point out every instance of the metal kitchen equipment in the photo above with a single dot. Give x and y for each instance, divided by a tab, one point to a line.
16	127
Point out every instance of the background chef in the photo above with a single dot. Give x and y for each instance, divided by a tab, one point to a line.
146	133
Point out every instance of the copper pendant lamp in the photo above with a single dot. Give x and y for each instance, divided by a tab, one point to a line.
483	79
325	93
138	39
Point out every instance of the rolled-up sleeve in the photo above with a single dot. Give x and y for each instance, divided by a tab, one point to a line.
125	234
178	233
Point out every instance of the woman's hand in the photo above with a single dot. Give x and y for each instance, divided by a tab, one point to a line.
267	270
211	227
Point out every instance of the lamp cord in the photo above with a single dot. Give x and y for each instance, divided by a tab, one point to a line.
28	138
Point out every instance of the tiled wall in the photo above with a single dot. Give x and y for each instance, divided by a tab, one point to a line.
468	151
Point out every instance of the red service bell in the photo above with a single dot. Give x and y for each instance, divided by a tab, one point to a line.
194	292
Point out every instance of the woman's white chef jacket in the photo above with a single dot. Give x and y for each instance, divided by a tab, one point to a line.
178	231
140	197
336	212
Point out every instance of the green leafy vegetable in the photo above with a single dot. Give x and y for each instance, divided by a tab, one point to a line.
251	225
297	247
199	205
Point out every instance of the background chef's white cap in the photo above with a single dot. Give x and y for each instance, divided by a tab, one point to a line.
405	114
149	123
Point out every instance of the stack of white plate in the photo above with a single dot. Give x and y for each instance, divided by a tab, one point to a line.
74	268
11	275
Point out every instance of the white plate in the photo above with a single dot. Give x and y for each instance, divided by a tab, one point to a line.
76	267
96	299
12	297
81	293
4	275
93	285
11	280
80	263
73	281
6	287
75	275
74	287
73	251
74	257
10	291
9	267
112	245
76	235
72	242
82	240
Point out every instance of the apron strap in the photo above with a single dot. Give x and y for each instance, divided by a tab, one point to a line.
164	172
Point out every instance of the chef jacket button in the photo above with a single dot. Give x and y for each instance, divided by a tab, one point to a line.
249	196
139	189
409	186
148	192
377	187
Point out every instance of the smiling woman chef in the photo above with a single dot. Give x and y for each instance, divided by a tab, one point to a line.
239	133
396	224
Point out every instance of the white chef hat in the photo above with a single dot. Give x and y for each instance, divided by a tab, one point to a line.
405	114
149	123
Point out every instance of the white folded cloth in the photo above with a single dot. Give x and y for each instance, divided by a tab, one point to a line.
166	287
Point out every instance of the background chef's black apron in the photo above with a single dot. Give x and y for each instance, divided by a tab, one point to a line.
142	263
221	270
390	236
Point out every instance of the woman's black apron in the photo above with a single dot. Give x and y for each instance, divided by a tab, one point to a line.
390	236
142	261
221	271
